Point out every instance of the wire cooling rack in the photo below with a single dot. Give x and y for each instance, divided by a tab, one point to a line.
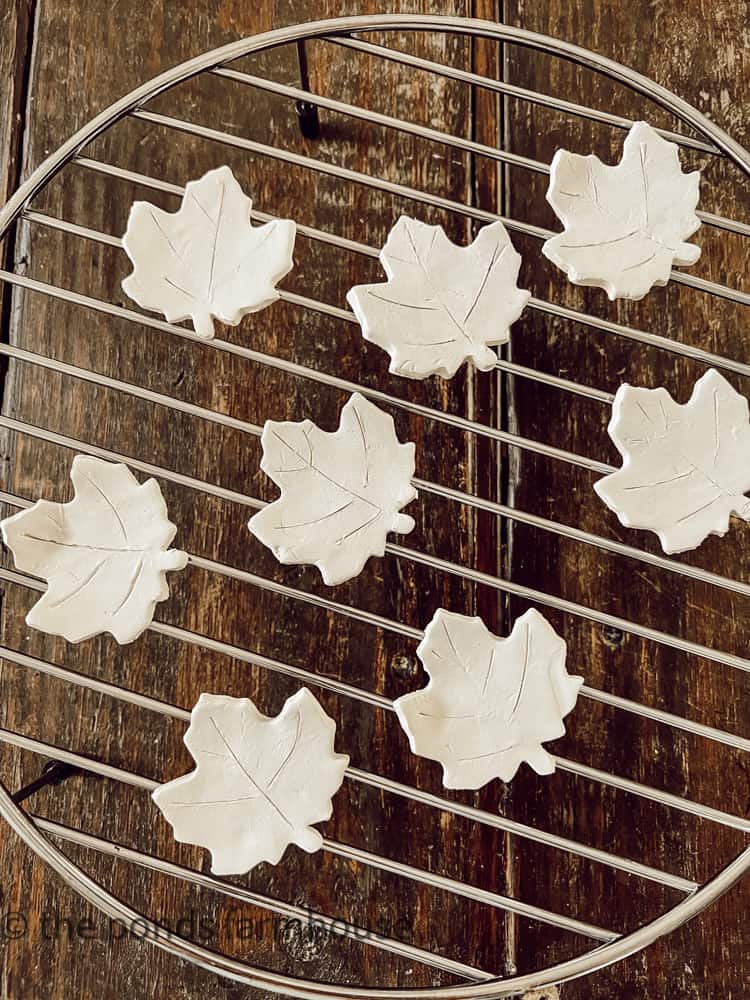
603	946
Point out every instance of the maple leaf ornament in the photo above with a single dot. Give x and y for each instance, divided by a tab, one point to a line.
341	492
104	555
685	466
490	702
625	226
206	259
442	304
259	782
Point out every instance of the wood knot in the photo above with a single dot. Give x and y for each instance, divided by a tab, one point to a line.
613	637
303	939
404	665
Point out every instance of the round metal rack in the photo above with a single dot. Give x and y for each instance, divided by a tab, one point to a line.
354	33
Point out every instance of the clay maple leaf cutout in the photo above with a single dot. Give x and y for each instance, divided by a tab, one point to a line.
490	702
206	260
104	555
442	304
685	466
341	492
259	783
625	226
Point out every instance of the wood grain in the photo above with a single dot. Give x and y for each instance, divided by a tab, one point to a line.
74	54
217	606
699	63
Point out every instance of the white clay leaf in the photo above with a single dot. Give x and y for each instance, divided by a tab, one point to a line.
625	226
259	782
104	555
490	702
442	304
206	259
686	466
341	492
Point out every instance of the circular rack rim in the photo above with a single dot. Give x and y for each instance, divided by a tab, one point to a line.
24	826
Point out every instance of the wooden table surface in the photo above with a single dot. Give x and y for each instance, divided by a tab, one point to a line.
64	60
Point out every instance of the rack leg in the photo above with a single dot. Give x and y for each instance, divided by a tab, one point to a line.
54	772
307	113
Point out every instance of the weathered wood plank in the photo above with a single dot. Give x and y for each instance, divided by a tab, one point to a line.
16	29
700	61
219	606
15	54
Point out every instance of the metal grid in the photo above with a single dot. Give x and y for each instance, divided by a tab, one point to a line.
36	830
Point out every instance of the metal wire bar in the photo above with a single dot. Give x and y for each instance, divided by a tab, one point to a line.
511	90
92	683
435	489
585	537
569	607
511	367
642	337
468	426
540	305
573	767
615	861
395	627
131	389
400	190
666	718
376	118
623	947
626	785
555	381
383	784
135	463
331	169
380	701
445	138
376	861
475	576
211	566
364	777
335	926
534	446
509	904
653	794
